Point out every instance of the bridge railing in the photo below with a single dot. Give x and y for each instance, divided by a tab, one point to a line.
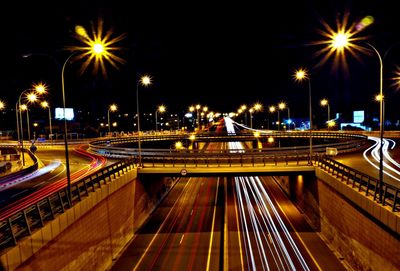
369	186
206	136
18	221
123	152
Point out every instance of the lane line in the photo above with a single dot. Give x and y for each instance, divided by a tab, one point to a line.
159	229
212	227
238	230
298	236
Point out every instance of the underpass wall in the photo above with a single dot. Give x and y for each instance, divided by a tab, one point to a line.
92	233
340	217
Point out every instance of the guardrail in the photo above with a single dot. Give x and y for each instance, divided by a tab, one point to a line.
364	183
122	152
24	171
212	136
17	222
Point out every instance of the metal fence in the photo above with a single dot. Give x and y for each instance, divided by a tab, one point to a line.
384	194
17	222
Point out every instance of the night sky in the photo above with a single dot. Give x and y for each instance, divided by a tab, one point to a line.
217	54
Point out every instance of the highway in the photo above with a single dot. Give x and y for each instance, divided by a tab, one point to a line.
368	161
43	182
227	223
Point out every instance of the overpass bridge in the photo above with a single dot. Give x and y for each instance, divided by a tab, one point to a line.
20	222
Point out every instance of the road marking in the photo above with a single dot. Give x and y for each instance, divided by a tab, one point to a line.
23	191
191	212
298	236
159	229
38	184
238	229
226	263
212	228
180	242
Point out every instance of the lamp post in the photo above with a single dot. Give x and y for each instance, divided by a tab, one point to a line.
381	120
205	109
281	106
300	75
160	109
271	110
32	98
198	116
251	110
111	108
340	42
256	107
324	102
243	108
45	104
145	81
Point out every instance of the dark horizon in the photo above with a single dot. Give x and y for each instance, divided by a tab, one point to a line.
221	56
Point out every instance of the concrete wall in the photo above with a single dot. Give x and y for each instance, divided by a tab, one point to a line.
91	234
364	234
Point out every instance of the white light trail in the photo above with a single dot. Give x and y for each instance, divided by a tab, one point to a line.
262	224
39	172
375	150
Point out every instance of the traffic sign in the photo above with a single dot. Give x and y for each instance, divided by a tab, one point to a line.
183	171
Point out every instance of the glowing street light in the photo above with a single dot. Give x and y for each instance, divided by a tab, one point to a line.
347	43
300	75
324	102
198	106
144	81
2	105
111	108
281	106
255	108
272	109
45	104
160	109
95	49
251	110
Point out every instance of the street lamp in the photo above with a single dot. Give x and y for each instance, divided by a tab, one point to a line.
256	107
111	108
251	110
198	116
160	109
300	75
144	81
205	109
272	109
340	41
324	102
94	49
2	105
281	106
18	108
45	104
243	108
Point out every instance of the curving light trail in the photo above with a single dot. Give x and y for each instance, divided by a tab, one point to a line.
374	151
96	162
268	243
39	172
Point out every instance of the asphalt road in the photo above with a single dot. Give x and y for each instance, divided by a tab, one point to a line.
47	155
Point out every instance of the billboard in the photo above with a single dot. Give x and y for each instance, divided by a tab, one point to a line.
358	116
69	113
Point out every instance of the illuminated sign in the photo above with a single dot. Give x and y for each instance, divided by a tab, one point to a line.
69	113
358	116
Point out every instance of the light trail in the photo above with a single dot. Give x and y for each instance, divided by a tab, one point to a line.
96	162
37	173
265	234
375	150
